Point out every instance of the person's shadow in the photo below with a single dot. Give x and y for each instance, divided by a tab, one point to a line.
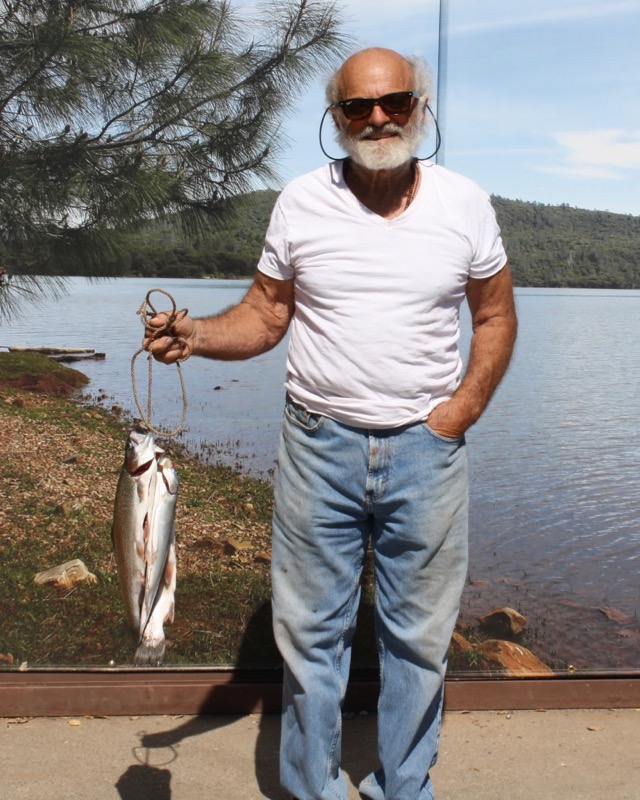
149	778
144	782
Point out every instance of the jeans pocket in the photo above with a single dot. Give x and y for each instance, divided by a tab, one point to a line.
440	437
298	415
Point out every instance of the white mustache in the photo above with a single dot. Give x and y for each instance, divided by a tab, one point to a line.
387	128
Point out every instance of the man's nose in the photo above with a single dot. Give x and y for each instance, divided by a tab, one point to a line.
378	116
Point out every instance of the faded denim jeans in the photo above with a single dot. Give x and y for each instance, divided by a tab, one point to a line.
338	488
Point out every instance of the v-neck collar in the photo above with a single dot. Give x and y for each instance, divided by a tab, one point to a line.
372	216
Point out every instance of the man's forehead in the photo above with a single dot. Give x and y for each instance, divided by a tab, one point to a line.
375	67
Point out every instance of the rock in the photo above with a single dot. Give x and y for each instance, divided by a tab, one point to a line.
569	603
615	615
508	658
67	508
510	582
503	622
208	543
514	659
233	546
263	557
67	575
459	643
627	634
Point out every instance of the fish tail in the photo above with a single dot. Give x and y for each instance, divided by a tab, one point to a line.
149	655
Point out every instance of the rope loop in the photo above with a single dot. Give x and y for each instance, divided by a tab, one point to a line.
146	312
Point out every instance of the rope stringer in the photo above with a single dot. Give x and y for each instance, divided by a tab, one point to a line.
147	312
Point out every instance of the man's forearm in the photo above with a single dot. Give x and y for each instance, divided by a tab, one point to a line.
236	334
494	333
252	327
491	348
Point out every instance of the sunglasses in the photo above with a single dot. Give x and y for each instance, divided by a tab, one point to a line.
391	104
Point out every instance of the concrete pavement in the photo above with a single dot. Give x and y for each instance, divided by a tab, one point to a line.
484	755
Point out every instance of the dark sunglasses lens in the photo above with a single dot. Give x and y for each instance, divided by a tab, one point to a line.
397	103
359	108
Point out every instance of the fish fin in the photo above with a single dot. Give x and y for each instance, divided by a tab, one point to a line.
146	529
169	574
149	655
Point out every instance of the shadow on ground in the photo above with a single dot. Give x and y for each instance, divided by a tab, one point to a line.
150	777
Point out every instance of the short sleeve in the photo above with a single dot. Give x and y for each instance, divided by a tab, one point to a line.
489	256
275	260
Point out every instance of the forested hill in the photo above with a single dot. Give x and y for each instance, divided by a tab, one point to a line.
564	246
547	245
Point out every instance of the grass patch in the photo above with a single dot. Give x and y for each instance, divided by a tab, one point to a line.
34	371
59	467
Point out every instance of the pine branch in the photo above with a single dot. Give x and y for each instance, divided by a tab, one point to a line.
116	112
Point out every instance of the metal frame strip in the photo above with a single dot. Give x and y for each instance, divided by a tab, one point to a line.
148	692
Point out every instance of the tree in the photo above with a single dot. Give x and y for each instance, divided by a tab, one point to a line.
116	112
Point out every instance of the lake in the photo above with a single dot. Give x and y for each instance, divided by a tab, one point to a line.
555	461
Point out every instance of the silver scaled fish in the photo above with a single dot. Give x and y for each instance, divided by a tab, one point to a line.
143	537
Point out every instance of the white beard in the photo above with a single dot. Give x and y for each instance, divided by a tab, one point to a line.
383	153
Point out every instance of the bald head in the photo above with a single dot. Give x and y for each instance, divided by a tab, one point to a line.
378	66
374	72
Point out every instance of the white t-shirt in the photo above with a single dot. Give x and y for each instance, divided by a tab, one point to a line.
376	323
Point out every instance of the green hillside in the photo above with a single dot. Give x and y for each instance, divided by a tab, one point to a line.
564	246
547	245
232	251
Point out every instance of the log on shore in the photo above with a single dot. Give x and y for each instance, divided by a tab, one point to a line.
67	358
63	354
50	351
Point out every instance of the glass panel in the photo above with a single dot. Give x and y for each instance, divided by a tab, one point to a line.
532	110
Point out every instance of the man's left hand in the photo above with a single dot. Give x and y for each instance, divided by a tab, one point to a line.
449	419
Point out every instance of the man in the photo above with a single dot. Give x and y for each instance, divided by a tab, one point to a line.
369	260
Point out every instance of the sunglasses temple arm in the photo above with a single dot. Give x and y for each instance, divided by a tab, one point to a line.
331	158
438	136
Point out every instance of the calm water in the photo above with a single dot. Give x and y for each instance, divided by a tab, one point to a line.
555	461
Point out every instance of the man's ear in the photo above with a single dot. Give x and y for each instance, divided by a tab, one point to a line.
337	117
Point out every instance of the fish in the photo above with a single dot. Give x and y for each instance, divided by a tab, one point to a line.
143	536
158	603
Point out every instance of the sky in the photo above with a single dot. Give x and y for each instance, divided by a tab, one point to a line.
539	100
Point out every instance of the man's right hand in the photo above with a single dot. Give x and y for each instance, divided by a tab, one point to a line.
175	344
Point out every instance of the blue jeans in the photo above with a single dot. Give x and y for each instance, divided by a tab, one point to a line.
338	488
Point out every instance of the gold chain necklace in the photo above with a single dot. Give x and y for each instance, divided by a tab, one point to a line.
414	185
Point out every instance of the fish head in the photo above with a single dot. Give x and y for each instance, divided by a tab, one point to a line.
140	452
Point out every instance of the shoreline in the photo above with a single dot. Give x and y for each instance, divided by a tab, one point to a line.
72	448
